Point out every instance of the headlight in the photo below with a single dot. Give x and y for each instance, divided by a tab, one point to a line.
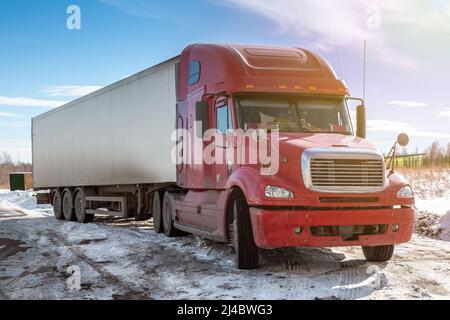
405	192
278	192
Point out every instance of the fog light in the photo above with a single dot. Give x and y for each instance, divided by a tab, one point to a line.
298	230
395	227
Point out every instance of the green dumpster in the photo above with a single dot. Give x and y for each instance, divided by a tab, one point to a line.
20	181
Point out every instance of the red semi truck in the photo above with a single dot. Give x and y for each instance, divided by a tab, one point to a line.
112	152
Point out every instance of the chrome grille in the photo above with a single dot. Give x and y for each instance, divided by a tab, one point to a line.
347	174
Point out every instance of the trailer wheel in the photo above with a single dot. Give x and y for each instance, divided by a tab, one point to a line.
67	205
80	208
246	251
378	254
57	205
167	215
156	211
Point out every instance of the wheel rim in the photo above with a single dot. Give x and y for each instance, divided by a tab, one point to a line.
79	207
235	233
66	207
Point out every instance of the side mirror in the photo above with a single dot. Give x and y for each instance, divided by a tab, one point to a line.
202	117
361	121
403	139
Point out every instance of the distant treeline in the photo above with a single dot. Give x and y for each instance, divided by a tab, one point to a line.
437	155
7	166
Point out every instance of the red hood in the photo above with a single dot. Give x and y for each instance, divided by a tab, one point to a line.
304	141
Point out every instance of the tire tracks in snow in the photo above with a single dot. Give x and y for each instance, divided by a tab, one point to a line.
130	291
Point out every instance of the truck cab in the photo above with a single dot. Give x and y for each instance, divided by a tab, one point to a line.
329	187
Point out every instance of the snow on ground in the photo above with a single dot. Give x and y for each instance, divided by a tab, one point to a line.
432	190
41	257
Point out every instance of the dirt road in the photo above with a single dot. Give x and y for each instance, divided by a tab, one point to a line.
41	258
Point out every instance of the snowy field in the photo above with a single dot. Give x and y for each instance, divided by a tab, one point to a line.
432	190
42	258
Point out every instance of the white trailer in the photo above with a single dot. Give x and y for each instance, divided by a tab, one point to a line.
109	143
116	136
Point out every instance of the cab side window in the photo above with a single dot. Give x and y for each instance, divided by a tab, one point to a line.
224	119
194	72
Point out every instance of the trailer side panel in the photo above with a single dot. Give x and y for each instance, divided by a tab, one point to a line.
116	136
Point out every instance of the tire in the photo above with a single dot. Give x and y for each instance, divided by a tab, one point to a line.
57	205
167	217
80	208
378	254
246	251
67	205
157	211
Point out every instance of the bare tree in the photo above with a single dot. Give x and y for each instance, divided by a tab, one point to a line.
7	166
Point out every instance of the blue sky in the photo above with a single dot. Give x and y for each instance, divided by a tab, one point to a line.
44	64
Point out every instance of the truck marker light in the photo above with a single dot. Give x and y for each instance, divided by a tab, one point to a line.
298	87
312	88
395	227
298	230
282	86
249	86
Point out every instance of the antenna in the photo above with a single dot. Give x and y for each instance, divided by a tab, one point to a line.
338	57
364	72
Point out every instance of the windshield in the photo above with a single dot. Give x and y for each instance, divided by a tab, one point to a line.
294	114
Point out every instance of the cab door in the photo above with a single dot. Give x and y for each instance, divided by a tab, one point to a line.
224	119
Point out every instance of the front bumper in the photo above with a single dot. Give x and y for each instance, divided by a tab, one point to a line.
275	228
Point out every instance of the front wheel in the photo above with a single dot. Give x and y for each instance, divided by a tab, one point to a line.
246	251
378	254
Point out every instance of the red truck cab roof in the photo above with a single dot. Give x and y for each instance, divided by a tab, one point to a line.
255	68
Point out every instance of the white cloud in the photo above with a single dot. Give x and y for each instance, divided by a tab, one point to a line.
29	102
7	114
347	22
408	104
70	90
444	113
399	127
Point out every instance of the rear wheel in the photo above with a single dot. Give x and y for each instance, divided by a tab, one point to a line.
57	205
156	211
378	254
167	215
80	208
246	251
67	204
